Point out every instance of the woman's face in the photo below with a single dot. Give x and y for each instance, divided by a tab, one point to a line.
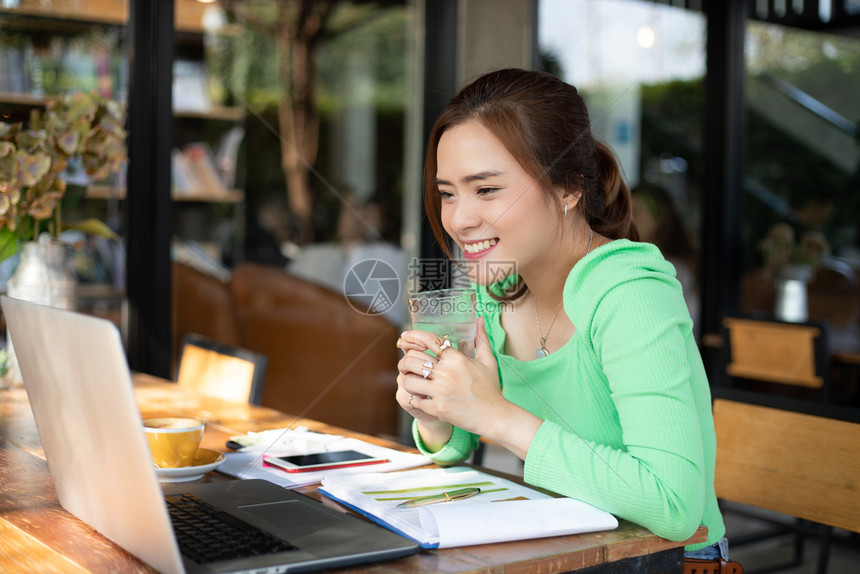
491	207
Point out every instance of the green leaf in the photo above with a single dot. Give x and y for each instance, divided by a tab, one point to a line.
6	149
4	362
26	227
32	168
7	169
31	140
92	227
68	141
8	243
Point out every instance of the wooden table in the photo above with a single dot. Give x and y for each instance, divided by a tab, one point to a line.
39	535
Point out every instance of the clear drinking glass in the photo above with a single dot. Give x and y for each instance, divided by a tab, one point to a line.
448	312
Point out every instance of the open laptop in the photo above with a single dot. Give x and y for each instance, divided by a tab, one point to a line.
80	389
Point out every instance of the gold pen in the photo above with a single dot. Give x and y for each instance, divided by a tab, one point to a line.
441	497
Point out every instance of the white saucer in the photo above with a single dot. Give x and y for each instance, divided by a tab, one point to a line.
205	460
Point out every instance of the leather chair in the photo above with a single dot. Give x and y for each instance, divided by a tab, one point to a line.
202	304
327	361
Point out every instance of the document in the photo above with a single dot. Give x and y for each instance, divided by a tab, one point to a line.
249	461
502	511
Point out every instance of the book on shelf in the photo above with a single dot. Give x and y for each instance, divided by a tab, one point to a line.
194	172
195	255
502	511
189	86
227	154
182	178
87	62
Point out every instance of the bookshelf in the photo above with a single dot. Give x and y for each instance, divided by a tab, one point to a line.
81	45
97	191
21	99
188	13
227	113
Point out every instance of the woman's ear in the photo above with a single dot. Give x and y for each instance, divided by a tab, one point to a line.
570	197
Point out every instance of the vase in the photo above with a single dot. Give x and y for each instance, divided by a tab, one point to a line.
43	277
791	285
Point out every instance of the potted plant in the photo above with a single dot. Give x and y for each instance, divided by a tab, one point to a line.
86	129
792	264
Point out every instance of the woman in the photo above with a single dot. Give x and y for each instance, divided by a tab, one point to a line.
606	402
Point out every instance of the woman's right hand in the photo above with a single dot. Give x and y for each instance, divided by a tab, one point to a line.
410	366
433	430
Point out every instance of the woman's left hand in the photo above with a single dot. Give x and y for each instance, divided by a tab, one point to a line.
460	390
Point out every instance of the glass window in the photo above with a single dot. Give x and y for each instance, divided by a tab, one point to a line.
640	67
801	175
298	109
301	126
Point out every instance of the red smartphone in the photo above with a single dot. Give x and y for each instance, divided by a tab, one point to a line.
322	460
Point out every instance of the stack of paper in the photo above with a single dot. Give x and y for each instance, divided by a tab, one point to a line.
248	461
502	511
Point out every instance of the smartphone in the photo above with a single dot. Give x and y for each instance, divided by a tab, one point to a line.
322	460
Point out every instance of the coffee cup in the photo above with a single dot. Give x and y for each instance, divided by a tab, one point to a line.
173	441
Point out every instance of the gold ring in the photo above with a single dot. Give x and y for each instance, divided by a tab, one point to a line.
444	345
397	344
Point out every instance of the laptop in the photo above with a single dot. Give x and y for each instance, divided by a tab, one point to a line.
80	389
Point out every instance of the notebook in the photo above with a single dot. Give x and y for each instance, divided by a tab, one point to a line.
500	511
80	389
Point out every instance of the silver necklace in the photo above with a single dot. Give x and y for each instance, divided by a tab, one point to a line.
542	350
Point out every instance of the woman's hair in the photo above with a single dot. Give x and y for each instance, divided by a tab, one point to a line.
543	123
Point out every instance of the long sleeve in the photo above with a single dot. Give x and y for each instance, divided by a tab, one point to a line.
456	450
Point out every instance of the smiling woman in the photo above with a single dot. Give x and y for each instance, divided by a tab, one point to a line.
606	402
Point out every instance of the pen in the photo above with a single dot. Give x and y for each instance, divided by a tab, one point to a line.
441	497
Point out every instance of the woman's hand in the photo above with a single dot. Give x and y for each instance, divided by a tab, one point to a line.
457	390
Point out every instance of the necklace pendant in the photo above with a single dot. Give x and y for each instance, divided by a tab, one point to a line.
542	352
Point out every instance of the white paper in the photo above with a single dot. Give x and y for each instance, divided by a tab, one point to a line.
491	516
248	462
464	525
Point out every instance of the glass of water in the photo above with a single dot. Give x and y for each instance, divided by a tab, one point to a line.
448	312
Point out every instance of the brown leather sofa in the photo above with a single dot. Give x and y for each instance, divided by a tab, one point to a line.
326	360
202	304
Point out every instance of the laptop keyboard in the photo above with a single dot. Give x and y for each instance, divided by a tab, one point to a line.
206	534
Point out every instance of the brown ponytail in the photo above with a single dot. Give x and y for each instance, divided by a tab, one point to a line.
610	213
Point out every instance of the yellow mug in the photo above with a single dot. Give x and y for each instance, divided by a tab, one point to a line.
173	441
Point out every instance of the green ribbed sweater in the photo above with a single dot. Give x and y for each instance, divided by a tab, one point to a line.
628	425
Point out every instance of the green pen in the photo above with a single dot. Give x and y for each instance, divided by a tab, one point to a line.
441	497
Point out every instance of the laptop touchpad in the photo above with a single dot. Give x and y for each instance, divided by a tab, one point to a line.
291	519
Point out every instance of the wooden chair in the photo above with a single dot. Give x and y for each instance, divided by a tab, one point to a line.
220	370
778	354
793	463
